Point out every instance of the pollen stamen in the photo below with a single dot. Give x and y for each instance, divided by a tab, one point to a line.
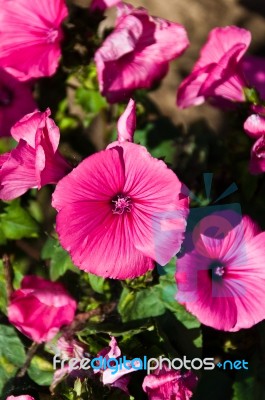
122	204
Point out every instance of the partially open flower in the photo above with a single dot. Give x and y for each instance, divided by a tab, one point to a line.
137	53
40	308
35	161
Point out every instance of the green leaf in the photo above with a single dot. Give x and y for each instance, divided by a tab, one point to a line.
41	371
90	100
97	283
12	354
135	305
16	223
60	259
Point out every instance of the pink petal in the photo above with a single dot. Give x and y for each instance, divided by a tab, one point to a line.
220	41
127	123
255	126
225	79
31	49
159	220
188	92
17	174
257	162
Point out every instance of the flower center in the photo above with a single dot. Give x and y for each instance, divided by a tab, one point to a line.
52	35
121	204
6	96
216	270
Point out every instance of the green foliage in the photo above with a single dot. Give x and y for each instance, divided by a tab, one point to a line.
60	261
41	371
12	354
16	222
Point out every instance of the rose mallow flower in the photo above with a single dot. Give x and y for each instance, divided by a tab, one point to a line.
16	100
218	74
35	161
30	36
22	397
170	384
137	53
221	281
121	209
40	308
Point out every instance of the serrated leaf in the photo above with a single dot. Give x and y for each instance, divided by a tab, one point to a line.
16	223
12	354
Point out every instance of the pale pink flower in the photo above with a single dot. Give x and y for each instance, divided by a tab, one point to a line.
15	101
120	378
170	384
137	53
218	73
40	308
221	281
127	123
30	36
102	5
254	126
257	160
35	161
119	210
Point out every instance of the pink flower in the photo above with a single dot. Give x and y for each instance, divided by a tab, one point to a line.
137	53
170	384
118	379
30	36
40	308
221	281
218	73
101	5
22	397
119	210
257	161
35	161
15	101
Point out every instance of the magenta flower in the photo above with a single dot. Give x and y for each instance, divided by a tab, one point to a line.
218	73
221	281
40	308
102	5
35	161
137	53
30	36
15	101
22	397
170	384
120	210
